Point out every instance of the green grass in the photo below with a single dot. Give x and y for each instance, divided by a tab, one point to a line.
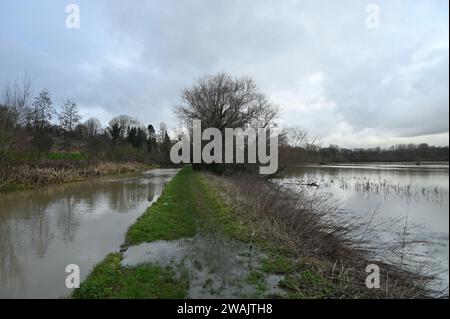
172	216
188	204
307	285
109	280
278	264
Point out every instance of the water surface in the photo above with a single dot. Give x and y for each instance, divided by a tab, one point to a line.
42	231
418	195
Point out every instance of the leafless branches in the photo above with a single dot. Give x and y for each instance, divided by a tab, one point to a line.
221	102
14	101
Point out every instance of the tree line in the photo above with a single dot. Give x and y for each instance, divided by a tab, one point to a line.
314	153
31	126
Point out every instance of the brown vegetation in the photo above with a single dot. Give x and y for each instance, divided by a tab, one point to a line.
322	239
25	176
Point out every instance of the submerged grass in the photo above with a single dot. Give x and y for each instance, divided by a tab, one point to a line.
110	280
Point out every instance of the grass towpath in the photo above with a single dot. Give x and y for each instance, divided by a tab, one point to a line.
191	207
185	208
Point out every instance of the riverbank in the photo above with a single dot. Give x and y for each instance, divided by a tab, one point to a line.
211	237
27	177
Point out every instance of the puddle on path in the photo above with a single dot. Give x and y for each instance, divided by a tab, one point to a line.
217	267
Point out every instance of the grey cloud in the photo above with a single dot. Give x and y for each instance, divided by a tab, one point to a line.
329	73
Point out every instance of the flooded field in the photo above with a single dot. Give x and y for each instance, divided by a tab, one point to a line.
403	196
43	231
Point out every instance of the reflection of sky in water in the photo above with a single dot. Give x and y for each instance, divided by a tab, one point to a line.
44	230
420	193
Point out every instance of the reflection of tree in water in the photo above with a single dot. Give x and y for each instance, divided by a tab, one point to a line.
150	192
11	269
24	231
40	231
33	225
29	221
123	197
66	217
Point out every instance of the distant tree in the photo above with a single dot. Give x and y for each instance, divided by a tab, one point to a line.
137	137
14	102
69	117
162	132
115	131
151	141
124	122
165	143
93	127
295	137
80	131
42	110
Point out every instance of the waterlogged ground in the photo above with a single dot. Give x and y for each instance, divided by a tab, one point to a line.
391	194
188	244
214	266
42	231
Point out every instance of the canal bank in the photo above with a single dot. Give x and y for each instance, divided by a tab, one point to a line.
28	177
211	237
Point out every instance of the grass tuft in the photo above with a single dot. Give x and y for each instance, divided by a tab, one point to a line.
109	280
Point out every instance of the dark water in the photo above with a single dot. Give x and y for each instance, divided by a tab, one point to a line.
43	231
416	194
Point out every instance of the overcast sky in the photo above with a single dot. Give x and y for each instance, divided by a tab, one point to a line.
328	71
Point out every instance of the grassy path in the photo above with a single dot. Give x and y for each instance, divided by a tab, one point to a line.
186	207
191	207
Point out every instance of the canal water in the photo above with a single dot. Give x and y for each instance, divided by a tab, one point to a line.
42	231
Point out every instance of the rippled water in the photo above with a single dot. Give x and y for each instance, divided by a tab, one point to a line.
42	231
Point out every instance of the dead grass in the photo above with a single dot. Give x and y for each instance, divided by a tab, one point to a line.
27	177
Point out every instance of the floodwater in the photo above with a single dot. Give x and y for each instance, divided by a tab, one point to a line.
43	231
414	194
215	267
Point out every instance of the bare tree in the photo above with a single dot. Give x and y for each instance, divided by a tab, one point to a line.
121	123
296	137
93	127
222	101
69	116
42	110
14	101
16	97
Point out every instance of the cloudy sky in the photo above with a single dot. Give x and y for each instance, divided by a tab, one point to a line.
330	73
